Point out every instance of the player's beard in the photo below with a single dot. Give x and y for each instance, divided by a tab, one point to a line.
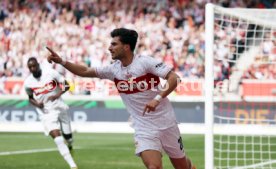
117	56
37	74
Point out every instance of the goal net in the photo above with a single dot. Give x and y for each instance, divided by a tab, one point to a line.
240	109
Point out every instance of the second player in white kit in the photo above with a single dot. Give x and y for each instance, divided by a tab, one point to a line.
44	89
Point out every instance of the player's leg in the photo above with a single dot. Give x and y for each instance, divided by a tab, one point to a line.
52	126
148	147
65	124
172	144
182	163
62	147
152	159
69	140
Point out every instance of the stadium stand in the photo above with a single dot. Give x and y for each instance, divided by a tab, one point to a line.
172	31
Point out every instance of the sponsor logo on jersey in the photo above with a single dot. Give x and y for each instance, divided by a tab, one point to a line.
138	84
48	87
159	65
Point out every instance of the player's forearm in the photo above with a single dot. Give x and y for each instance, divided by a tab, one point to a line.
170	85
77	69
35	103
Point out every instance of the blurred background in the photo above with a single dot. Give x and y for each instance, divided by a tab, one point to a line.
169	30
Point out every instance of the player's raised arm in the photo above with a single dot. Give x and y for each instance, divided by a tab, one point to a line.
76	69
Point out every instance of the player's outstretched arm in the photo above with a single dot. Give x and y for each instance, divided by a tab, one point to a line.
76	69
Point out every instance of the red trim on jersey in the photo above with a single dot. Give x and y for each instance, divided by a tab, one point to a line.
138	84
48	87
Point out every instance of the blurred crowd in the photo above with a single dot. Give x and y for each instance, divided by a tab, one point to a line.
266	54
169	30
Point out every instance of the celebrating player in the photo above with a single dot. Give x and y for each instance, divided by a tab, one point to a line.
44	91
137	80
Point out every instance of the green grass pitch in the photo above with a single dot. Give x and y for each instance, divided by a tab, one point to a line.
92	151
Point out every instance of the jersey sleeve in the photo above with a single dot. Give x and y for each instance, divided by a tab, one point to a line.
105	72
155	66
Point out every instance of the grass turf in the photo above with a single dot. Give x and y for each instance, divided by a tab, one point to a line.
92	151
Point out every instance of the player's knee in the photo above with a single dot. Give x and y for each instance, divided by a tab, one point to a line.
54	133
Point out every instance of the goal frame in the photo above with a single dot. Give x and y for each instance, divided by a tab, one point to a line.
209	81
209	76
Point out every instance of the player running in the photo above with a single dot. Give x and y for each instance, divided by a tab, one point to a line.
44	91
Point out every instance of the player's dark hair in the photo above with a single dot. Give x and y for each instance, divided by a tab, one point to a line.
32	59
127	36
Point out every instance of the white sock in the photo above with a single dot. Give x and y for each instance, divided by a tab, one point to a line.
64	151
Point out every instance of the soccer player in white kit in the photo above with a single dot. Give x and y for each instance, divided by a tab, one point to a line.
137	80
44	91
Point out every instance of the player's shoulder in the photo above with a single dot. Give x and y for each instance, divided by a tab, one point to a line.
147	60
29	79
143	58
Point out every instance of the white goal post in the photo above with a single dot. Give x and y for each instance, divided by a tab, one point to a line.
247	141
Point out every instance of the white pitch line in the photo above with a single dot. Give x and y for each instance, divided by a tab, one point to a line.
256	165
55	149
29	151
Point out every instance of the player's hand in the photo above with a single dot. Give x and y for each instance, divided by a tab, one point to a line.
150	106
53	57
52	98
40	105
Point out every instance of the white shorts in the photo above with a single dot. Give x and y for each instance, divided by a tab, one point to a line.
56	119
168	140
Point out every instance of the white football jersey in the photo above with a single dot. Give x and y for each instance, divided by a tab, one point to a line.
139	83
44	87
